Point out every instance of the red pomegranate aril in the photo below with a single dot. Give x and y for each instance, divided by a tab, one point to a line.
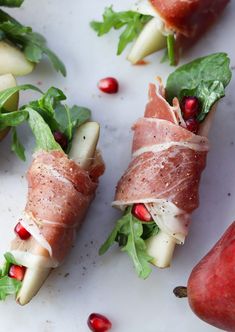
192	125
98	323
17	272
140	212
190	107
108	85
22	232
61	139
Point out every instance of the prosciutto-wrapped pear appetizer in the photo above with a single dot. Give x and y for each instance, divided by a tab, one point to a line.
61	186
154	25
159	190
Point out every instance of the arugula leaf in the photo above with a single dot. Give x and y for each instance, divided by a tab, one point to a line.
12	119
44	138
205	78
149	229
133	22
16	146
44	116
70	118
10	258
11	3
130	233
32	44
214	67
8	286
7	93
136	248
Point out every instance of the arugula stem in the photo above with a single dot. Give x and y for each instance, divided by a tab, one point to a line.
170	49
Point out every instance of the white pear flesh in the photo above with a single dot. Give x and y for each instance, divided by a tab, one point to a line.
84	144
33	280
9	81
161	247
13	61
83	150
150	40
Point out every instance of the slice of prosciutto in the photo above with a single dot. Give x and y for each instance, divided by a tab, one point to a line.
189	18
166	166
59	194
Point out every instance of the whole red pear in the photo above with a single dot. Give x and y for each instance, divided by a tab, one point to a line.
211	285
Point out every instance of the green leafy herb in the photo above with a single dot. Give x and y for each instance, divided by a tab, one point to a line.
7	93
149	229
205	78
132	21
8	286
32	44
44	116
12	119
207	93
44	138
171	49
70	118
130	233
11	3
16	146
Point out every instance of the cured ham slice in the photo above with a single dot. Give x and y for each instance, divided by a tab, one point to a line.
190	18
59	195
166	166
187	20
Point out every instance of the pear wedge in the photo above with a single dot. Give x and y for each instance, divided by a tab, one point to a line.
161	247
83	149
13	61
9	81
149	41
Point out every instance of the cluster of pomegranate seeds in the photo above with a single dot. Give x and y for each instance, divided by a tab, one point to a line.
17	272
108	85
61	139
21	232
140	212
98	323
190	108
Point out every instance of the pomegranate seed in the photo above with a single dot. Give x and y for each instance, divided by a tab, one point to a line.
21	232
61	139
192	125
17	272
190	107
98	323
108	85
140	212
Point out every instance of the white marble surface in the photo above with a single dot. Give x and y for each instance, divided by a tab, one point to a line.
108	284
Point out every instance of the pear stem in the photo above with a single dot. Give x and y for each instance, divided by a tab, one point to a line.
180	291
